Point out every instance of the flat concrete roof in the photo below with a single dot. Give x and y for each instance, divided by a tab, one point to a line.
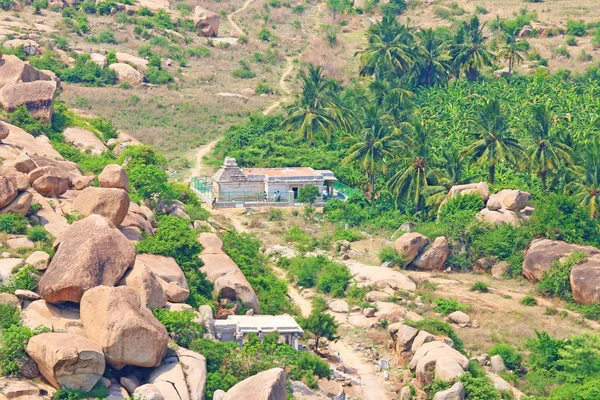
283	172
264	323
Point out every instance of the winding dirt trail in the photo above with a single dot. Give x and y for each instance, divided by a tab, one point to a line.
199	168
283	85
235	26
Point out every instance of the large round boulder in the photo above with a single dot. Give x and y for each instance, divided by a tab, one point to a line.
434	257
110	203
206	22
126	73
266	385
409	245
8	191
49	181
19	180
169	275
542	253
142	280
20	205
113	176
67	360
194	369
128	333
585	281
91	252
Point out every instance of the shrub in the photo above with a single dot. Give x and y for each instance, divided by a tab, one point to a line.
244	72
9	316
479	287
38	234
265	34
512	358
25	279
13	342
528	301
264	88
571	41
23	119
275	214
158	76
180	325
15	224
105	37
351	235
448	306
308	194
389	254
6	4
197	212
478	388
576	28
88	72
111	57
320	272
98	392
106	128
557	280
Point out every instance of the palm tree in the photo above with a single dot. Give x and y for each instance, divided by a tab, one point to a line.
434	61
376	146
586	188
547	152
393	97
389	50
469	49
415	174
315	109
512	48
493	145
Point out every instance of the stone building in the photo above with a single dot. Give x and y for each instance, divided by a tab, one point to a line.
232	183
236	327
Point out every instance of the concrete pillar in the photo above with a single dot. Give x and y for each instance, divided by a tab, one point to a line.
295	343
291	193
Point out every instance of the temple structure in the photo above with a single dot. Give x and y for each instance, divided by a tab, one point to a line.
236	327
232	183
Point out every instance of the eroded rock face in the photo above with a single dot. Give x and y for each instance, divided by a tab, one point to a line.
20	205
410	245
15	70
585	281
456	392
90	253
54	317
8	191
148	392
169	379
128	333
169	275
434	257
114	176
110	203
49	181
194	369
67	360
512	200
427	357
37	96
206	22
267	385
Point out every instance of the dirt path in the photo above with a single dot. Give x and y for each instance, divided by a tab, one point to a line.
199	168
235	26
283	85
372	385
304	304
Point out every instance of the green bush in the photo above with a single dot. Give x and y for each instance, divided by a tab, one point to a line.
351	235
556	281
448	306
38	234
460	207
158	76
88	72
528	301
106	128
576	28
388	253
512	358
98	392
25	279
320	272
15	224
13	342
308	194
23	119
479	287
180	325
478	388
197	212
6	4
9	316
105	37
264	88
244	72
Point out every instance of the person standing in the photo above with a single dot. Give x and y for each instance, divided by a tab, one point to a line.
214	203
265	196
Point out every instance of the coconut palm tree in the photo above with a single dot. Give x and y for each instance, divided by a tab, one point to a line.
434	60
586	187
547	152
390	50
315	110
376	144
493	143
469	49
512	48
393	97
415	173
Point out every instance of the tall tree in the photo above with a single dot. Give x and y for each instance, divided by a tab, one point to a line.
469	49
434	60
389	51
547	152
586	187
415	174
375	144
493	143
315	110
512	48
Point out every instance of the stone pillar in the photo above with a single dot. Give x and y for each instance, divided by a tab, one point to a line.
291	193
295	342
